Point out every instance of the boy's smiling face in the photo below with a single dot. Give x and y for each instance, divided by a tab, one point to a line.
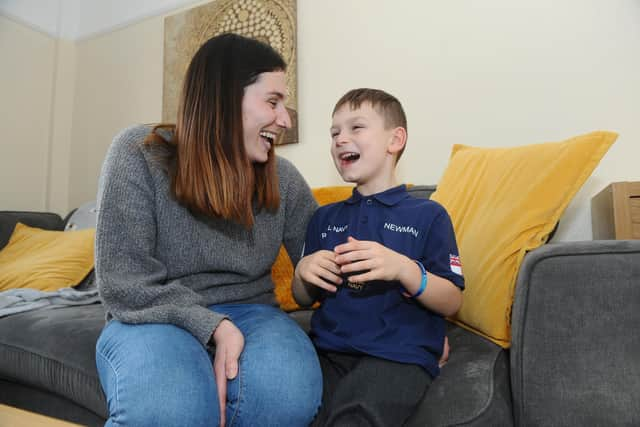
363	148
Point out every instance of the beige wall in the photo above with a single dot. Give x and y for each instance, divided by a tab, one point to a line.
25	115
118	83
491	73
37	87
61	127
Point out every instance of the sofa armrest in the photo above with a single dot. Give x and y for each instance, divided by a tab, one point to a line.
575	354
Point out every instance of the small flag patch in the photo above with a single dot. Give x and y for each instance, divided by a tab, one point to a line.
456	265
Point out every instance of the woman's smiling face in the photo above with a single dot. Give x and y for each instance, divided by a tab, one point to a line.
264	115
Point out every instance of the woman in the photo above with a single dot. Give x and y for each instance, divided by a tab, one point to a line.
190	221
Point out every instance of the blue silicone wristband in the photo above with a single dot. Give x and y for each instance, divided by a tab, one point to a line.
423	284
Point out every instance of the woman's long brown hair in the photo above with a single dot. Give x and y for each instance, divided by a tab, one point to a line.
207	162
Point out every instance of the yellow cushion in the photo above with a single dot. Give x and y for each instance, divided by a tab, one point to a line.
45	260
282	270
504	202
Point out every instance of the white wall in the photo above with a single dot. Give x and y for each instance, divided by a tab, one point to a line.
486	73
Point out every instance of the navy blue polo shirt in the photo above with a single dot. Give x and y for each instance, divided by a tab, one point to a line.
377	319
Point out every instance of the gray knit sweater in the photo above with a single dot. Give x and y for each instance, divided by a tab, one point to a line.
158	263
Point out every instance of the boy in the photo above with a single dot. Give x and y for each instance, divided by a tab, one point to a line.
385	266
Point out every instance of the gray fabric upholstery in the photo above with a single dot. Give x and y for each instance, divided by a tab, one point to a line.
47	357
42	402
54	350
576	347
473	387
423	191
86	216
303	317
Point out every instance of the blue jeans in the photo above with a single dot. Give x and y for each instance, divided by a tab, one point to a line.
160	375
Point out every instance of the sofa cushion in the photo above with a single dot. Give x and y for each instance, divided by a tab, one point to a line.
54	350
504	202
9	219
473	388
86	216
44	259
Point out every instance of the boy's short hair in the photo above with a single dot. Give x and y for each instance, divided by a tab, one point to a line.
384	103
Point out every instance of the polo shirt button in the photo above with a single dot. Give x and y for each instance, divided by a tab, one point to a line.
369	201
364	219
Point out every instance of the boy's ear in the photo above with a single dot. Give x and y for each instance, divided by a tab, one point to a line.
398	140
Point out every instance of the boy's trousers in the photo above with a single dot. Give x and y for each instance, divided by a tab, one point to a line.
368	391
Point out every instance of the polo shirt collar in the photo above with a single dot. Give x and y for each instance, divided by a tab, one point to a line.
388	197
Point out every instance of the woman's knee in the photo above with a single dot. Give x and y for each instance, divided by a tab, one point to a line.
279	381
276	345
156	375
279	397
178	411
281	371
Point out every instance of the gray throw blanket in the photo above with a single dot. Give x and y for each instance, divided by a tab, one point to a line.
23	299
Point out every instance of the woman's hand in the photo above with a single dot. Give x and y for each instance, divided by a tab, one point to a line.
320	269
229	343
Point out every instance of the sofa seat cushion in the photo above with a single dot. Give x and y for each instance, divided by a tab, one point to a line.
473	388
54	350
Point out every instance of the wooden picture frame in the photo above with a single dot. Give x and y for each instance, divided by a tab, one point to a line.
271	21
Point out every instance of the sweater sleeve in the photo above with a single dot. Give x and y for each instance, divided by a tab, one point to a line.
300	206
132	282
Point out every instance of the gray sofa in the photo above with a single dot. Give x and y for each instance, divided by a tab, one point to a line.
574	360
